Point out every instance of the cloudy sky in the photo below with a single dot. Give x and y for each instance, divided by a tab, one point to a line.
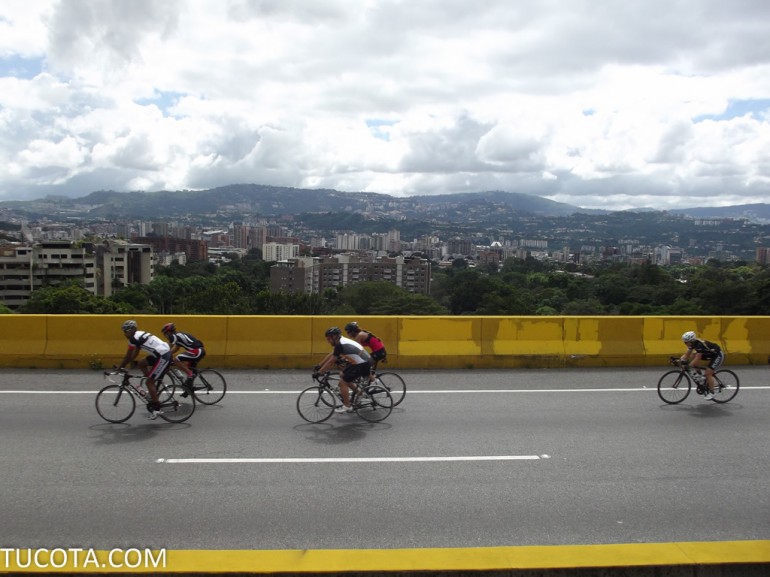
597	103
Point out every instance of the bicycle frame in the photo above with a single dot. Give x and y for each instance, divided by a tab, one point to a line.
675	385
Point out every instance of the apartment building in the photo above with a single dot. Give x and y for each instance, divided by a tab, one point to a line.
275	251
315	275
25	268
122	263
99	268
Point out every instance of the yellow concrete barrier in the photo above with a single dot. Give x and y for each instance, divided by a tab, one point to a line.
523	341
268	342
22	340
413	342
439	342
604	341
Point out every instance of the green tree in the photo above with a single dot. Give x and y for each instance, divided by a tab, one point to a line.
70	300
363	296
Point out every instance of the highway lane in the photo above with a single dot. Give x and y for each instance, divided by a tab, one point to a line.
606	462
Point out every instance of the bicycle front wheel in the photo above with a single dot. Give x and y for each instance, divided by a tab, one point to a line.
394	384
115	404
209	386
175	406
673	387
726	386
316	404
374	404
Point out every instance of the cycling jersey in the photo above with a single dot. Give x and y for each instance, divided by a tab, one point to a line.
373	342
350	352
148	342
707	349
185	340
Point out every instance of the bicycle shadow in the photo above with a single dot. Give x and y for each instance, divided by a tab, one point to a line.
705	410
120	433
330	434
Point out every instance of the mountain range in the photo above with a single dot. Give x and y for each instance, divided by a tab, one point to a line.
265	201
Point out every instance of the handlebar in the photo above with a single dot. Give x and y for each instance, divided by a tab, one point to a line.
677	362
125	374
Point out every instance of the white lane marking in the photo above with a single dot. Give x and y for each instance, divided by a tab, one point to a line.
409	392
357	459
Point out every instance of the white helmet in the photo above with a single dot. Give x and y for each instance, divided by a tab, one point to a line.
688	337
128	325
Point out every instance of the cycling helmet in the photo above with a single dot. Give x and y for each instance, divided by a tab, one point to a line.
352	327
333	331
168	328
688	337
128	325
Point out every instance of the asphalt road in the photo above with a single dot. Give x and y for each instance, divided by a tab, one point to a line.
549	457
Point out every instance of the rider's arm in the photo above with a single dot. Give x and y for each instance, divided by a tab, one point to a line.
327	363
131	354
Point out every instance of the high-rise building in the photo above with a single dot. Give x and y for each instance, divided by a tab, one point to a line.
315	275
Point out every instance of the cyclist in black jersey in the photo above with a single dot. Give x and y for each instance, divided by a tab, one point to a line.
193	350
705	354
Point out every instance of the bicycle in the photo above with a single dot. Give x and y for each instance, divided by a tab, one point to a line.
116	403
674	386
316	404
391	382
208	386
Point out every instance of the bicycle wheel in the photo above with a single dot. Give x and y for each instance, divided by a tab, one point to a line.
374	404
394	384
173	406
209	386
315	404
726	385
334	388
115	404
673	387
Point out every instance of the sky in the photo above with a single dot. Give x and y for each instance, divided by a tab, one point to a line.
597	103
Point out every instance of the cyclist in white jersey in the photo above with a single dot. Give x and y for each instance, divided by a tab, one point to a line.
351	358
153	365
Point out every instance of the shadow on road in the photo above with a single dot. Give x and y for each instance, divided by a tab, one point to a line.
118	433
332	434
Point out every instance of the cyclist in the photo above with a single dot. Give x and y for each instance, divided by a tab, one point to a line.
368	339
704	354
351	358
193	351
153	366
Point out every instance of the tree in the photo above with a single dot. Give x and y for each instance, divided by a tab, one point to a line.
70	300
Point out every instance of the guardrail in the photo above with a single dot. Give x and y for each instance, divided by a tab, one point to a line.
414	342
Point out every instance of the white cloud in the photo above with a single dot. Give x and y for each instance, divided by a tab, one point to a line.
615	104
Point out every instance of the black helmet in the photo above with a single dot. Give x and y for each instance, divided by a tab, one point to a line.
352	327
128	325
168	328
333	331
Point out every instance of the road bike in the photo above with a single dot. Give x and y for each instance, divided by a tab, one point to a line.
315	404
674	386
208	386
391	382
116	402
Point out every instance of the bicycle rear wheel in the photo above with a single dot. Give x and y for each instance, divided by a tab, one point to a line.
315	404
209	386
173	406
726	385
374	404
115	404
394	384
673	387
